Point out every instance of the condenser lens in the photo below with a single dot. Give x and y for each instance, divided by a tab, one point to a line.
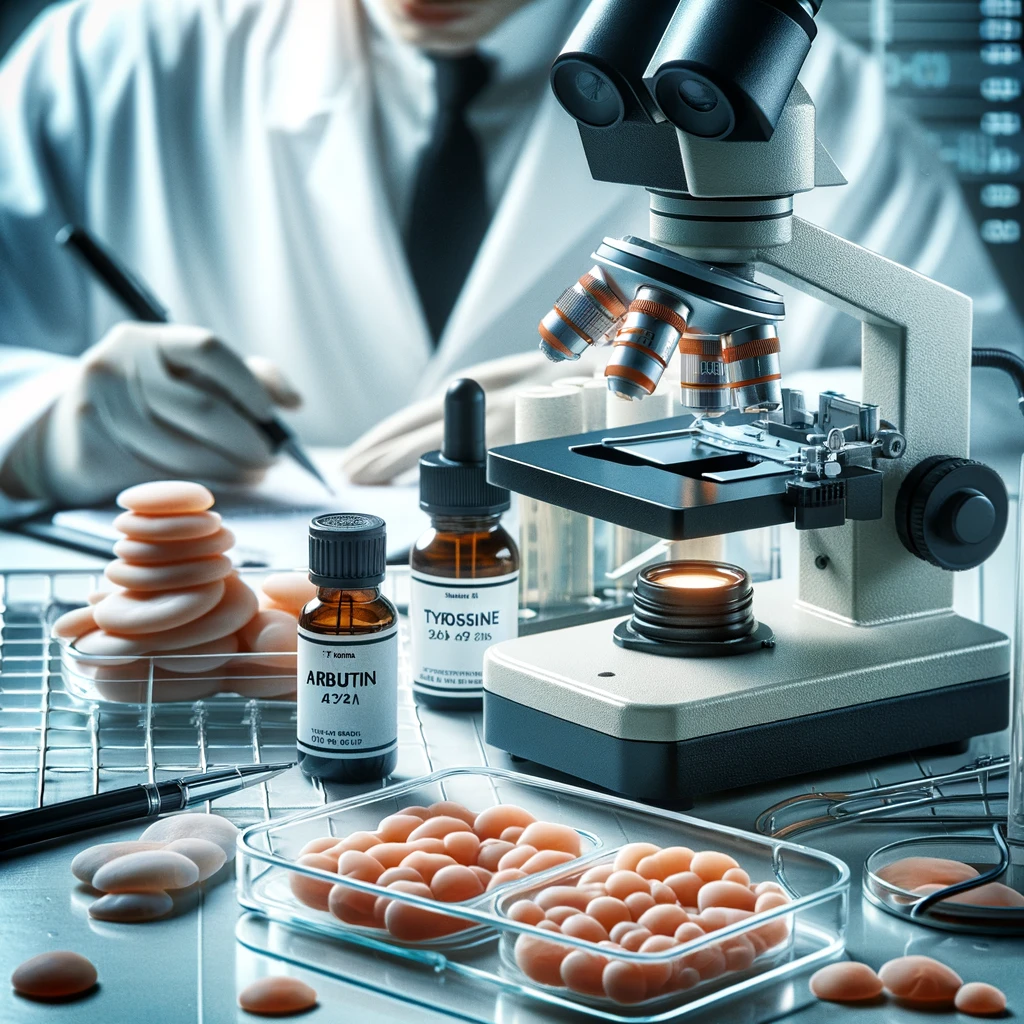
698	95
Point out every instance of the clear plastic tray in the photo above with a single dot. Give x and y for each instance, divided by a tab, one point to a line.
174	678
817	883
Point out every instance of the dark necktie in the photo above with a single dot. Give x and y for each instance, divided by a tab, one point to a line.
449	209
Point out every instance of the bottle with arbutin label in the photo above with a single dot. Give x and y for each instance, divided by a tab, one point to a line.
347	702
464	593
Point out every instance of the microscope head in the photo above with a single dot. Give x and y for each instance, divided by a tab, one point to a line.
698	102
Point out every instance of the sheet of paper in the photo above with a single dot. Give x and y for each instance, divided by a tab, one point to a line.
271	521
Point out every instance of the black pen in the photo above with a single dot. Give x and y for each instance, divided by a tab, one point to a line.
25	828
139	300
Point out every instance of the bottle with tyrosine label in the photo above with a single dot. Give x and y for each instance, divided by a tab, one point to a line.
465	569
347	703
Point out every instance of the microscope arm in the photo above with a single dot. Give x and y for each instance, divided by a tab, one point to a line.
916	362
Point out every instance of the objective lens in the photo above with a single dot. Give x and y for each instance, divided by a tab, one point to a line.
698	95
584	315
694	602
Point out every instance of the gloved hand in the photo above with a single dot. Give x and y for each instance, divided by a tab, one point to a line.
151	401
394	446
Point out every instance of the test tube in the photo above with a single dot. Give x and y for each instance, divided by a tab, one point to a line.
556	545
594	418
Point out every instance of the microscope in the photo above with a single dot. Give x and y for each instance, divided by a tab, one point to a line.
710	685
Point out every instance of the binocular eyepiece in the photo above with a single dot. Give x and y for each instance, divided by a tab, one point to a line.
716	69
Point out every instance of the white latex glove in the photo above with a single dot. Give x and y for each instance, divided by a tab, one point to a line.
147	402
394	446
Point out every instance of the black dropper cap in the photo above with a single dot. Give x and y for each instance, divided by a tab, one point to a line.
347	551
453	481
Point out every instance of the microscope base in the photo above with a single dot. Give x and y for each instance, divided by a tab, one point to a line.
668	730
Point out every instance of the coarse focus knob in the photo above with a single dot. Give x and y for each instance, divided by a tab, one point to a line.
952	512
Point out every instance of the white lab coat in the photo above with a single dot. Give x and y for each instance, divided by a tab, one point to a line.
226	149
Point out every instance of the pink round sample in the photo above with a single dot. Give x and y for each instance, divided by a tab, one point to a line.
144	552
56	975
172	576
136	614
74	623
168	528
236	608
202	658
291	590
270	632
980	1000
166	497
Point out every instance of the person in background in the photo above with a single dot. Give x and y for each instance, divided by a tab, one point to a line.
344	203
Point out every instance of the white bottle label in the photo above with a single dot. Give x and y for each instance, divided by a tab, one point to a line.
452	623
348	694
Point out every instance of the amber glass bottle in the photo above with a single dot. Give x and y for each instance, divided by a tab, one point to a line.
465	569
348	655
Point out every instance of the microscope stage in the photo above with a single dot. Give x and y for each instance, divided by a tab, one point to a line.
668	729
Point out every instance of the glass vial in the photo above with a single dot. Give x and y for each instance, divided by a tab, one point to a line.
464	593
347	702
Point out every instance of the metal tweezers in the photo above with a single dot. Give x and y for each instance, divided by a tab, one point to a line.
973	783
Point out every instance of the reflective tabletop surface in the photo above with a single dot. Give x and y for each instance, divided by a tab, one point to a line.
192	965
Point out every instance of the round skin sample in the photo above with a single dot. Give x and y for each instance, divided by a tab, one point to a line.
131	614
581	972
315	892
166	498
491	852
994	894
490	823
463	846
630	856
540	959
980	1000
725	894
711	865
545	835
561	896
911	872
624	982
396	828
208	857
155	578
236	608
621	884
451	809
846	983
455	883
664	919
525	912
438	828
75	623
290	590
920	981
277	997
686	885
57	975
414	924
190	526
271	632
542	860
88	862
516	857
195	826
147	871
191	661
131	907
143	552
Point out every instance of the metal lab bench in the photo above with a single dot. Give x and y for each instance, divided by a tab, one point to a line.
190	967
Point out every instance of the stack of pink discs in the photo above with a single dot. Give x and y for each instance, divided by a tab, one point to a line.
176	593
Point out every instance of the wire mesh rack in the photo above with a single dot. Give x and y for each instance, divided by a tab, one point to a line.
55	746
